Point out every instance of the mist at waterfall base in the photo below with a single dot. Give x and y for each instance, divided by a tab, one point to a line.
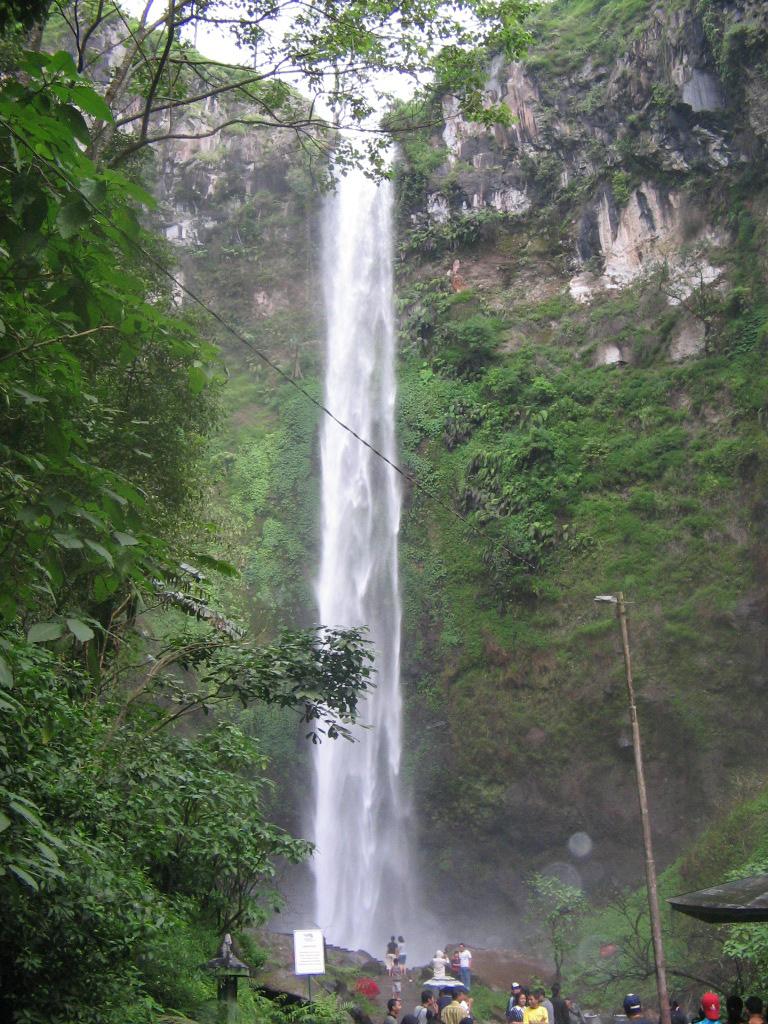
364	866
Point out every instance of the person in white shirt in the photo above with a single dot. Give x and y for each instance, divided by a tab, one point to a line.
465	964
439	963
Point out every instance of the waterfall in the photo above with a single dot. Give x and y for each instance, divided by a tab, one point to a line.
362	870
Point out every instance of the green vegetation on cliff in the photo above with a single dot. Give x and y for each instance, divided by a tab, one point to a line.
614	443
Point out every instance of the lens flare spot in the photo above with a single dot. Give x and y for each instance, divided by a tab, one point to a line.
580	844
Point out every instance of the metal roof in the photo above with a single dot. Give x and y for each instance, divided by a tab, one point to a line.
746	899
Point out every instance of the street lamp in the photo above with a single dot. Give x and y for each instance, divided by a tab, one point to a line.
642	796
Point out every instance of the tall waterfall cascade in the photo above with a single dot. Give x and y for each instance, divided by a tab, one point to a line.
364	882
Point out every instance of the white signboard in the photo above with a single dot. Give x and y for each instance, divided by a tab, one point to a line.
308	951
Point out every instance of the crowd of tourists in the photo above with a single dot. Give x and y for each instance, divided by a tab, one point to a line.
446	998
737	1011
453	1005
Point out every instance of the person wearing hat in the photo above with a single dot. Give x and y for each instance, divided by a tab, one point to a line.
710	1006
514	992
634	1009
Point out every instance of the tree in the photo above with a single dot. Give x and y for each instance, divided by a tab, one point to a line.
335	51
555	907
630	956
111	838
116	826
23	13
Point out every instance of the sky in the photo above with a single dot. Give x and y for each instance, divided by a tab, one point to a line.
219	44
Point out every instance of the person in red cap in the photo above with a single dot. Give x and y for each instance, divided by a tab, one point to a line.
710	1006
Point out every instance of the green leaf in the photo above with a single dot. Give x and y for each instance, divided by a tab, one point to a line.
68	540
92	519
6	676
197	379
41	632
29	398
90	101
127	224
124	538
93	190
225	568
100	550
48	853
71	217
5	822
62	61
79	629
75	121
20	808
8	607
131	189
104	586
23	875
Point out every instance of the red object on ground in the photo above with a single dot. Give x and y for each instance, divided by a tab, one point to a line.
367	987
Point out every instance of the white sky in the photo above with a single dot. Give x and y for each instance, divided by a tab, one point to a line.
219	44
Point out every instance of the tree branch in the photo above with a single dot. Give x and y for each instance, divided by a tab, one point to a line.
52	341
170	35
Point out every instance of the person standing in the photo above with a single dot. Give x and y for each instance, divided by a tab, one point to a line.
397	973
455	964
677	1014
542	997
426	1011
393	1011
634	1009
465	964
575	1016
734	1007
402	957
466	1001
559	1006
445	998
390	955
514	992
534	1012
454	1013
518	1010
710	1005
439	963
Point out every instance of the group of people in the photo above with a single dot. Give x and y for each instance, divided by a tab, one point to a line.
533	1006
459	964
737	1010
396	960
450	1006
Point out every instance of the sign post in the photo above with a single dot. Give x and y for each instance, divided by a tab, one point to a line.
308	954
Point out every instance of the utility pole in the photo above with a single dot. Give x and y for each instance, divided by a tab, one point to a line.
642	796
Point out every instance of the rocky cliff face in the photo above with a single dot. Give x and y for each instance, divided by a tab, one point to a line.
628	133
240	209
607	249
588	386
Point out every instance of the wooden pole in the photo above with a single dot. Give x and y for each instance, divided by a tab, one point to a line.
642	796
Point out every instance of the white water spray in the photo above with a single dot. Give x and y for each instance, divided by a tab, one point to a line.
362	865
